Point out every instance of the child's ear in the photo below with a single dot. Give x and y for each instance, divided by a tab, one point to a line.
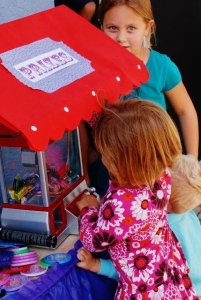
148	27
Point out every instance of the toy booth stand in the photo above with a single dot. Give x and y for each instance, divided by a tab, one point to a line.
51	79
39	190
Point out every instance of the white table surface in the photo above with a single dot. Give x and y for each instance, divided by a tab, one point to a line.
64	247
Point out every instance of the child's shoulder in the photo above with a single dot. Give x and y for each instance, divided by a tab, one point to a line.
165	177
163	184
157	56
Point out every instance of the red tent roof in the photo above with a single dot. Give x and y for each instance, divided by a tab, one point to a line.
22	107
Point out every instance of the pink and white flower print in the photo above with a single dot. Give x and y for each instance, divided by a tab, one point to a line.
132	225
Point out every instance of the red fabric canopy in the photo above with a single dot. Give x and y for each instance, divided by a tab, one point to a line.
22	107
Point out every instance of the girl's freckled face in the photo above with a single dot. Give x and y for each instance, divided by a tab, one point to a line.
125	26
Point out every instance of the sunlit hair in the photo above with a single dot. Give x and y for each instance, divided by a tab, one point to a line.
138	139
142	7
186	184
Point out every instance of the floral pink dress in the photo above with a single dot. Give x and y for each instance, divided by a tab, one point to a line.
132	224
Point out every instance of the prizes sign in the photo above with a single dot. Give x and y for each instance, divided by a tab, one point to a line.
44	65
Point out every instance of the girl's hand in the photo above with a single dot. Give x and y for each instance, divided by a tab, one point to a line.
87	261
87	200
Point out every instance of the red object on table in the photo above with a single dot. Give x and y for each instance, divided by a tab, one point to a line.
22	107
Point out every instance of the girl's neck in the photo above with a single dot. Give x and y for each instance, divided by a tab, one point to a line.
143	54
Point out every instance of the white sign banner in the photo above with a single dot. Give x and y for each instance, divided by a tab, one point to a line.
44	65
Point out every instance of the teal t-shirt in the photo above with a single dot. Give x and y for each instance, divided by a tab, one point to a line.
164	75
187	229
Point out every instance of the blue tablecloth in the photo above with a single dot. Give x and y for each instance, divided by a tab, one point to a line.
67	281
